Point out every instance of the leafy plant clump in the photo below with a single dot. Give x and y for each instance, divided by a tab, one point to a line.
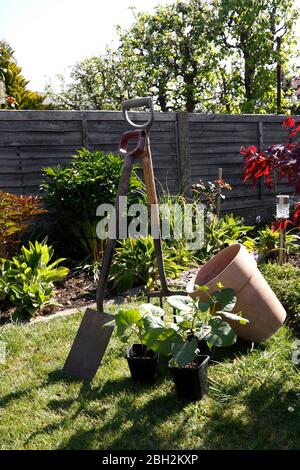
16	213
134	323
74	193
223	232
207	192
178	240
268	243
285	282
280	159
27	280
135	264
196	321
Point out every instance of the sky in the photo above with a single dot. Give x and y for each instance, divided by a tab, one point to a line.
49	36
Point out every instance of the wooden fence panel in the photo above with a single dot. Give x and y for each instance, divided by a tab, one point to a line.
185	147
215	141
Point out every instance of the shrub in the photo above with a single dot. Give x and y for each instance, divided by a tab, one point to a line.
285	282
178	247
223	232
208	192
16	212
267	243
27	279
75	192
135	264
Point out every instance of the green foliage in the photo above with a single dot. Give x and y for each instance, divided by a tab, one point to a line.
27	279
285	282
74	193
178	247
195	321
223	232
136	322
207	193
255	37
172	55
18	96
212	56
135	264
94	83
16	212
89	244
267	243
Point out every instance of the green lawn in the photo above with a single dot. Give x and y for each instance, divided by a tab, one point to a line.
246	407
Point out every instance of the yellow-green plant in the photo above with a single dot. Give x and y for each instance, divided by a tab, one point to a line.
27	280
219	233
268	245
195	321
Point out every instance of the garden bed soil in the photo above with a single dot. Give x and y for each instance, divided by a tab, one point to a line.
75	291
78	290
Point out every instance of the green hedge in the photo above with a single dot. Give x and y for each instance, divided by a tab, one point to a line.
285	282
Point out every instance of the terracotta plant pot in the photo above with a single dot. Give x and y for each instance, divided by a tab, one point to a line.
234	267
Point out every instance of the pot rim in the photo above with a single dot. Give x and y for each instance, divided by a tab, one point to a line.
207	358
128	356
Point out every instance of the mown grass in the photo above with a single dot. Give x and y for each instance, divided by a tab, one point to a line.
247	406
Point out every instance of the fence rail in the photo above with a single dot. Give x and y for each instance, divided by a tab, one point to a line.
185	147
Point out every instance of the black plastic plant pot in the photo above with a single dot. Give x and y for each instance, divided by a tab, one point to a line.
204	349
143	363
191	381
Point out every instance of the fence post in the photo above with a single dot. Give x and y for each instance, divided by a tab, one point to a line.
183	153
21	169
85	137
220	176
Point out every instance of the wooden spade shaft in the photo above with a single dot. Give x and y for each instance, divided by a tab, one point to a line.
93	336
154	213
111	242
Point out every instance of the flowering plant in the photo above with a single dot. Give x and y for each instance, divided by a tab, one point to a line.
207	193
276	161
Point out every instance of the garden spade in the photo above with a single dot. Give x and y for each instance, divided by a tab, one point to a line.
93	336
151	194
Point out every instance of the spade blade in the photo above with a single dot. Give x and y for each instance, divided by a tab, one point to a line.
89	345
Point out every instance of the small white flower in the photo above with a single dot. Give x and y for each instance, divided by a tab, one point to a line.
291	409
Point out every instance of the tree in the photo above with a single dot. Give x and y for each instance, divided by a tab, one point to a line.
257	37
172	55
164	54
18	96
95	83
197	55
